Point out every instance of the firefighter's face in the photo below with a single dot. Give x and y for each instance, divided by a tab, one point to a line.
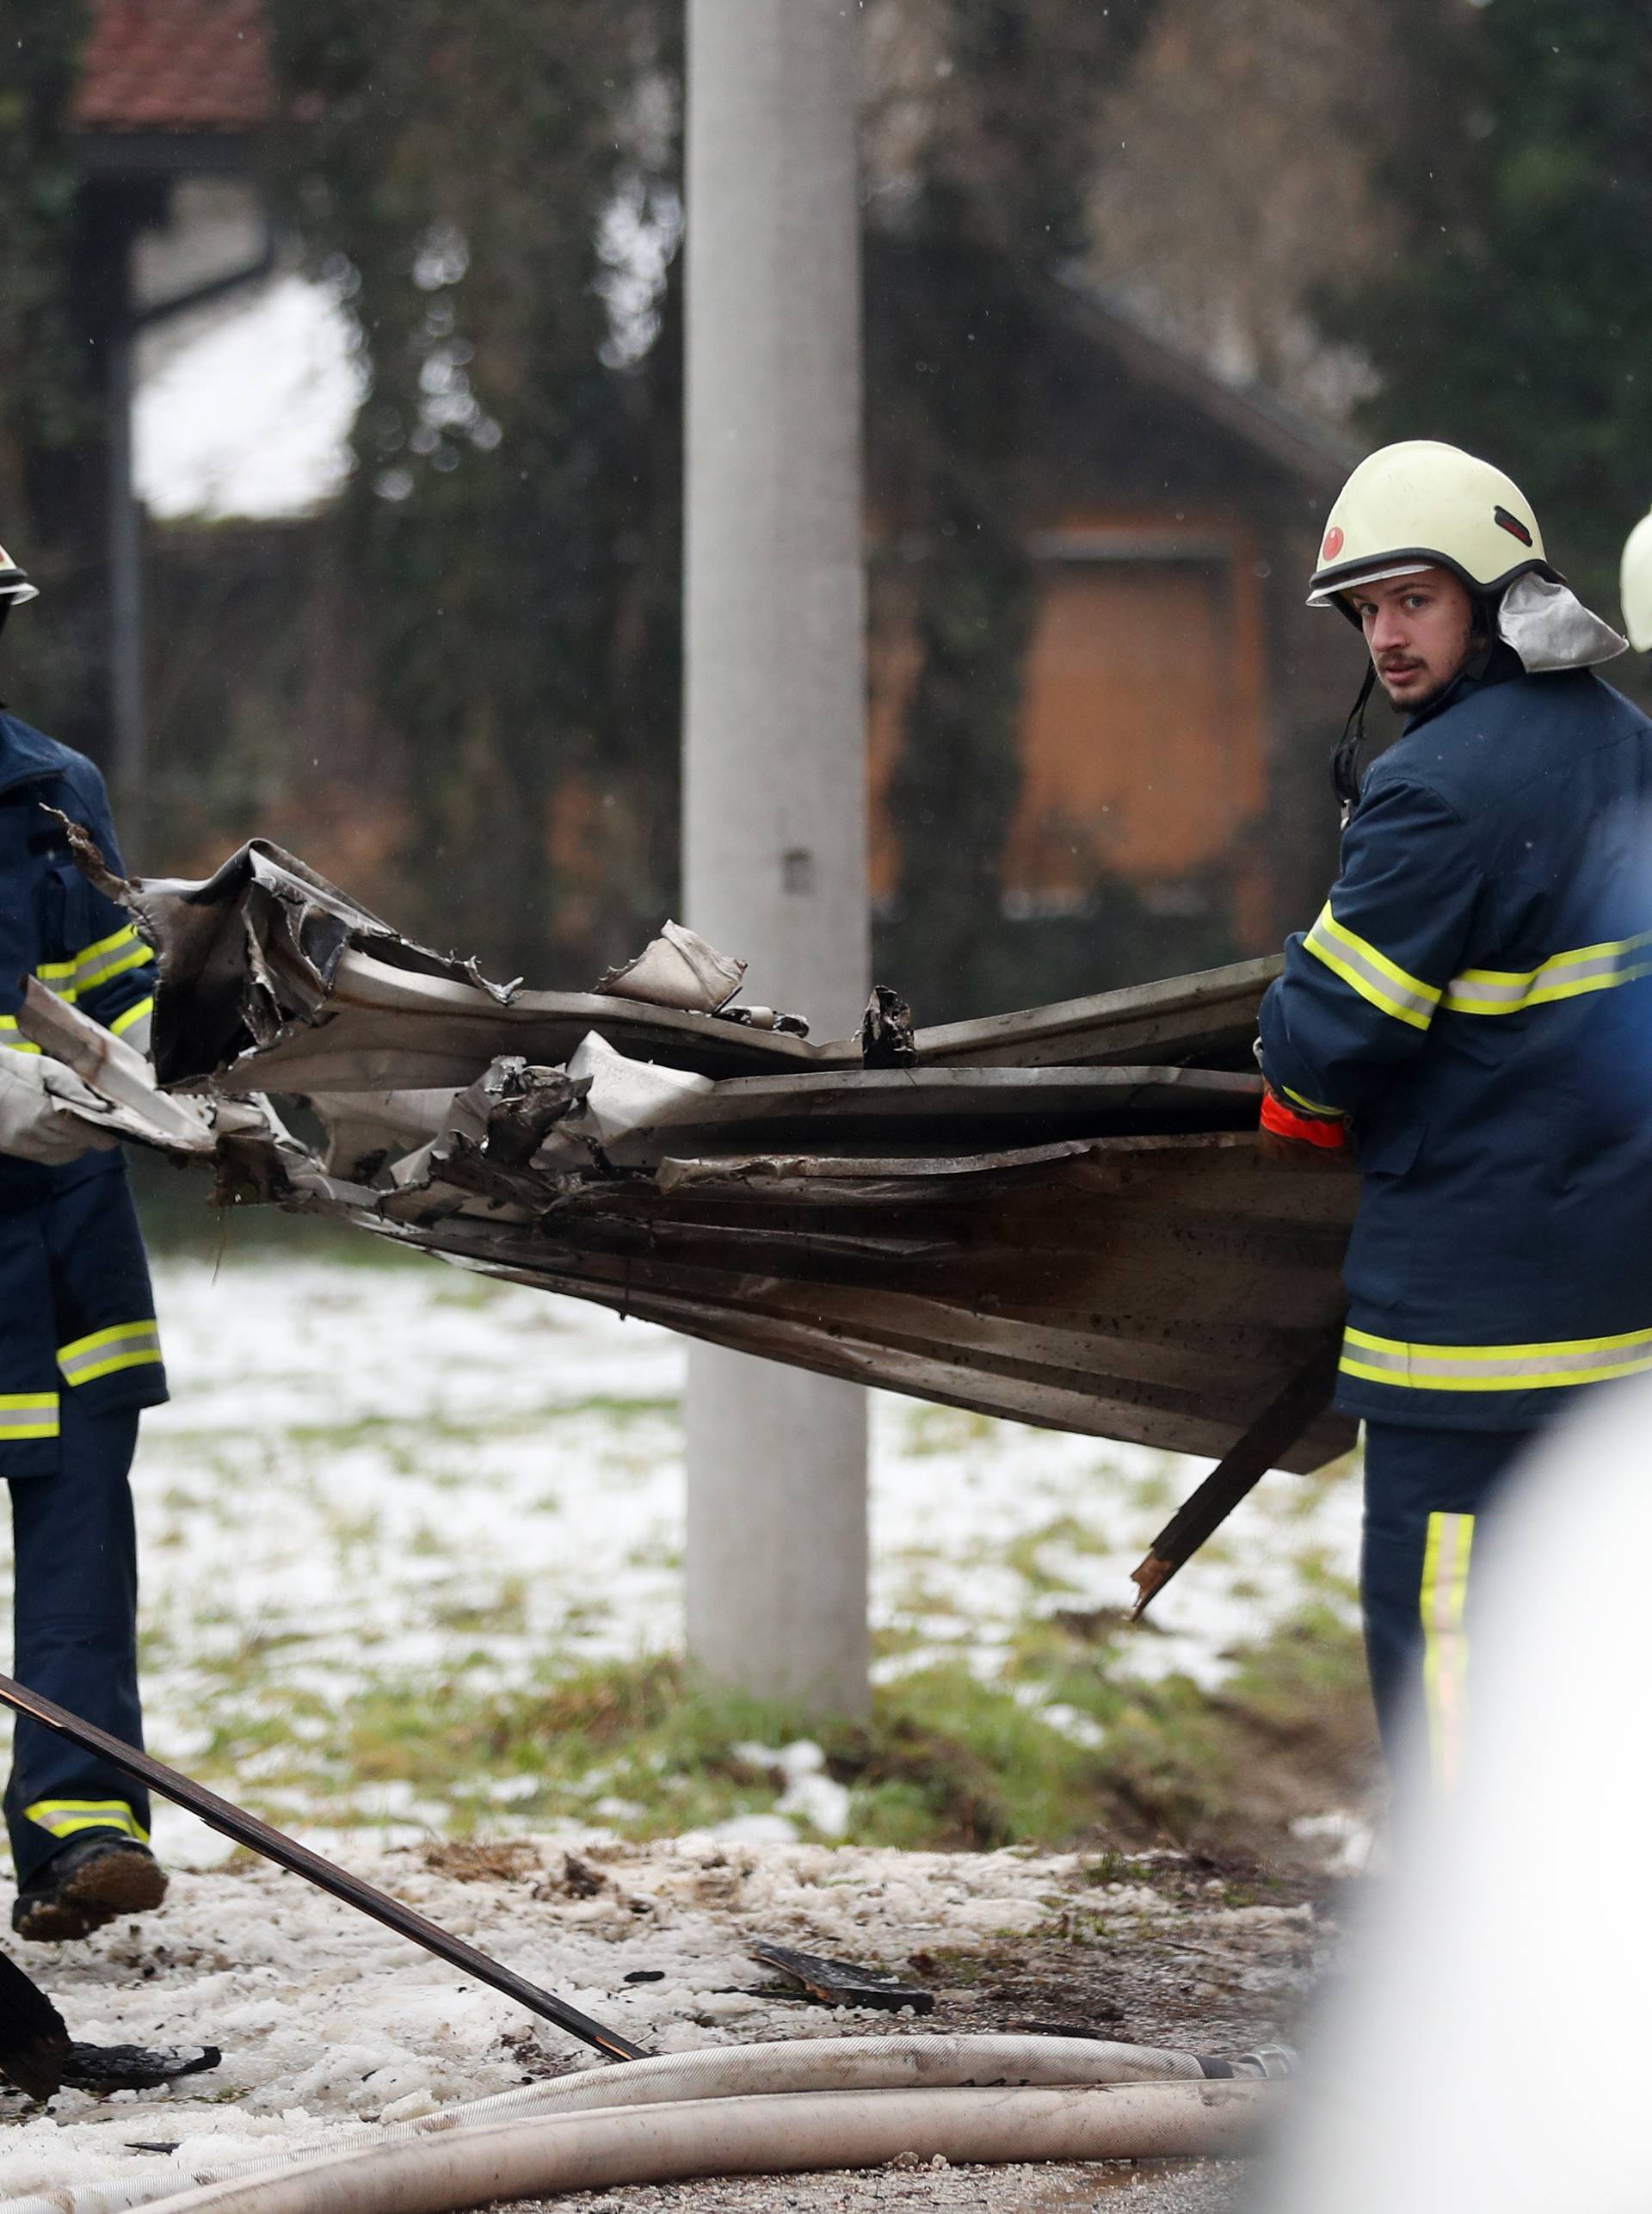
1420	630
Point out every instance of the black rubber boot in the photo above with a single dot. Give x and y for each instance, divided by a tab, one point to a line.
98	1877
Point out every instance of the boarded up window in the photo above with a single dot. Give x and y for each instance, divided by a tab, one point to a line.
1141	729
1142	733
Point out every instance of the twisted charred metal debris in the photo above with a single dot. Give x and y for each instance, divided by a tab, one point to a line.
1236	1475
38	2055
1060	1216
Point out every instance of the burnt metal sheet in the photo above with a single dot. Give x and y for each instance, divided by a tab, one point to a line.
252	954
1208	1019
954	1108
1030	1216
1155	1290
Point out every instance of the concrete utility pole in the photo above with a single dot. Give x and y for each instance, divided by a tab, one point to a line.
775	835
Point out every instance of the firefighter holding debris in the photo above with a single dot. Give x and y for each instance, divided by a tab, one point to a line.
79	1352
1449	1016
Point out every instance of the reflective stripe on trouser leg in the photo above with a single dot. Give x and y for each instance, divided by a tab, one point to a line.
63	1818
1446	1641
76	1606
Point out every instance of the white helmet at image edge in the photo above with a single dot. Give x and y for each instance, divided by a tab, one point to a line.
14	587
1425	505
1635	586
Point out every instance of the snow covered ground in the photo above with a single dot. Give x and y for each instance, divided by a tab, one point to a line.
391	1476
325	2020
383	1476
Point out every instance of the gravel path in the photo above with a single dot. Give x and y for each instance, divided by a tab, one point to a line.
1158	2187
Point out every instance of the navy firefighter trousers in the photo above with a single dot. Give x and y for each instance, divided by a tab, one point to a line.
75	1616
1434	1500
80	1352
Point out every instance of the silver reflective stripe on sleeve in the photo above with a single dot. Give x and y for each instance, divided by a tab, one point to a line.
127	1345
1563	976
1368	970
113	956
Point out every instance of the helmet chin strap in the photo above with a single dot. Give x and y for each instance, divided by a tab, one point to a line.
1345	758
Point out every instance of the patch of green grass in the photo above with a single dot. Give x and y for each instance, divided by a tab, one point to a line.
1025	1554
1318	1575
406	1440
505	1614
1155	1493
944	1761
931	1429
1114	1867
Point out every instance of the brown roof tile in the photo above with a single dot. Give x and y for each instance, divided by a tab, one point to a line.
176	66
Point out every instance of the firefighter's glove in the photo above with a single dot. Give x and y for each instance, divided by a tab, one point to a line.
36	1095
1303	1140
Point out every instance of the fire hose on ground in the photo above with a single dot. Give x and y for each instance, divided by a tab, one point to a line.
750	2137
763	2109
743	2110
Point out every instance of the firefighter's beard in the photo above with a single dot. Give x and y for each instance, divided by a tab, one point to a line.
1419	681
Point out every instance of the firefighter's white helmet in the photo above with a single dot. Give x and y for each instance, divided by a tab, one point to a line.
1424	505
14	587
1635	586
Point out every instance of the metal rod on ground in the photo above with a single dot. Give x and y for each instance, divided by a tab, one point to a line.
1272	1435
274	1845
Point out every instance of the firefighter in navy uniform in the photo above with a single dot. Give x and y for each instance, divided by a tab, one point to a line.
1451	1013
79	1352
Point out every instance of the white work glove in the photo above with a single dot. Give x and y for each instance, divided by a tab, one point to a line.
35	1093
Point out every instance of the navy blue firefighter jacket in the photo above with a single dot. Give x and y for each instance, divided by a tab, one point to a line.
1473	998
76	1309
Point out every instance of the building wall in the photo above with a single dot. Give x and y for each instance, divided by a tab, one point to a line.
1144	732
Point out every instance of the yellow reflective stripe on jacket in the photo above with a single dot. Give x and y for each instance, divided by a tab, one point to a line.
64	1818
1495	1367
28	1414
1563	975
111	957
127	1345
60	977
1443	1603
1369	973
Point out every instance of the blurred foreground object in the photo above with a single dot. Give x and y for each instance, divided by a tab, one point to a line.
1061	1215
1635	585
1468	2062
